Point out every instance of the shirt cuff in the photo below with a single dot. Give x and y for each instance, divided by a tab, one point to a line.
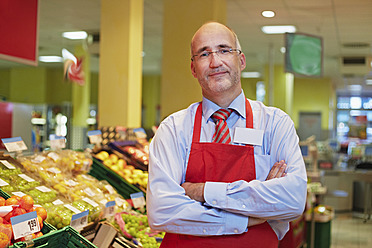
236	223
215	194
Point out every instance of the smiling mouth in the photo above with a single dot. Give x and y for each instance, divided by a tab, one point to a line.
220	73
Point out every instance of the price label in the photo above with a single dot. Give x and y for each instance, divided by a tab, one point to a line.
140	133
18	193
7	164
25	224
43	189
79	220
15	144
3	183
27	178
138	199
110	208
57	142
54	156
95	136
57	202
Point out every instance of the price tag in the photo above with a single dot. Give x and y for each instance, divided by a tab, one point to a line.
18	193
7	164
110	208
25	224
3	183
79	220
89	192
110	189
90	202
138	199
53	156
57	142
140	133
38	159
57	202
43	189
27	178
15	144
95	136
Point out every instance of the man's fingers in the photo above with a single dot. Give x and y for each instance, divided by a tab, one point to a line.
281	172
273	171
277	171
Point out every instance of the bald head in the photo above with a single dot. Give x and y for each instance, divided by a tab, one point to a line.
210	28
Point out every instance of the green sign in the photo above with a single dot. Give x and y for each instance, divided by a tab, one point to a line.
304	54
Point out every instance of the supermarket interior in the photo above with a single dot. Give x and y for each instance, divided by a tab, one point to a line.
78	113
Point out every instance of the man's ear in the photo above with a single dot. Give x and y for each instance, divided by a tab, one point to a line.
193	69
242	62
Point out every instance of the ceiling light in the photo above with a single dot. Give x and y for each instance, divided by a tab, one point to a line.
50	59
251	74
78	35
278	29
268	13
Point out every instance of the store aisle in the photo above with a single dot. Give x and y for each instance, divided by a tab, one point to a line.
350	232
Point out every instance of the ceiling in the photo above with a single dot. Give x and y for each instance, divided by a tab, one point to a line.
345	27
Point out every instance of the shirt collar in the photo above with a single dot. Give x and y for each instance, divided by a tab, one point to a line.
210	107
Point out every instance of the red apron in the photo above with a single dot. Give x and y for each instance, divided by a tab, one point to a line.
222	163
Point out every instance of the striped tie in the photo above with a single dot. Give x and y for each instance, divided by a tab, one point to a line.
221	135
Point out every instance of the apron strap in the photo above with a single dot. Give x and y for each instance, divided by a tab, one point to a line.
198	120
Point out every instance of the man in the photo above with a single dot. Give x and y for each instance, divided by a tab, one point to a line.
223	187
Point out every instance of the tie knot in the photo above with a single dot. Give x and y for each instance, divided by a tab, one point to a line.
221	114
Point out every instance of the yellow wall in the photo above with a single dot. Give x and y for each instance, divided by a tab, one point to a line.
150	100
4	84
58	90
40	85
249	87
94	88
312	95
28	85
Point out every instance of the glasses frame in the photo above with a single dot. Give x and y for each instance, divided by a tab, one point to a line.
217	52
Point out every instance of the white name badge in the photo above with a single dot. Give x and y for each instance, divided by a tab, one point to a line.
248	136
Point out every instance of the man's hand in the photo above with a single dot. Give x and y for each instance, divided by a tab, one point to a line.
252	221
194	190
277	171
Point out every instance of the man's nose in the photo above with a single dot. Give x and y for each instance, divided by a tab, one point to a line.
215	60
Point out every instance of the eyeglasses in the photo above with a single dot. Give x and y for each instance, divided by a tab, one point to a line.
223	53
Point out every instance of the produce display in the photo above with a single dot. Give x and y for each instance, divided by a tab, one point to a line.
19	205
135	226
57	186
126	171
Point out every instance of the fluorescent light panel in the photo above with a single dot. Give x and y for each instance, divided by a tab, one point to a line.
50	59
77	35
251	74
278	29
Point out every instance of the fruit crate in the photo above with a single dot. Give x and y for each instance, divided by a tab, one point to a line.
65	237
101	172
46	226
119	146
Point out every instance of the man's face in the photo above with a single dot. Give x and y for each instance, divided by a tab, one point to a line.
216	75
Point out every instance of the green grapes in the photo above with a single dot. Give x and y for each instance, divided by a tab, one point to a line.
138	228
